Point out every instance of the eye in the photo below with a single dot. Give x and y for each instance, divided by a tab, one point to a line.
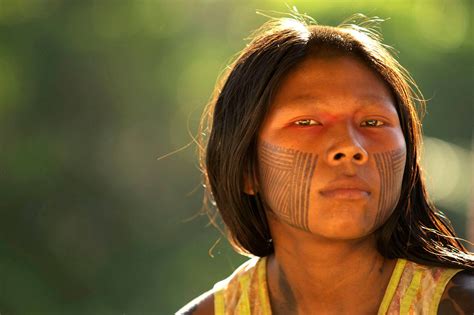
306	122
372	123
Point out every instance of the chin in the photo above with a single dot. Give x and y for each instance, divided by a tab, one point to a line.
342	230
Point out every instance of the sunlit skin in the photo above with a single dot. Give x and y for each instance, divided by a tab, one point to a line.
331	160
331	157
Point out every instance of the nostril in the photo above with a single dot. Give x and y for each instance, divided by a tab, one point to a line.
339	156
358	157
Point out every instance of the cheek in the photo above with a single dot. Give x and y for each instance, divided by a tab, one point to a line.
390	167
286	177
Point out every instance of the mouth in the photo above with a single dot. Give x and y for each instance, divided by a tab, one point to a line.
346	193
346	189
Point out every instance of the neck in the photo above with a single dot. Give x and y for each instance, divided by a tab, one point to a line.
309	273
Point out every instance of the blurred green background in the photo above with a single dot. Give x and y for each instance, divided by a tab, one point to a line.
93	92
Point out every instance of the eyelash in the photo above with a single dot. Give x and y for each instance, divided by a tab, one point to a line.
307	122
378	123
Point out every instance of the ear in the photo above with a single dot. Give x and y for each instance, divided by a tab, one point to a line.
250	188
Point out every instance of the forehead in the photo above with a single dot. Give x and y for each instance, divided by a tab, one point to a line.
330	80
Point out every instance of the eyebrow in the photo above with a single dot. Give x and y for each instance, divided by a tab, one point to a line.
307	100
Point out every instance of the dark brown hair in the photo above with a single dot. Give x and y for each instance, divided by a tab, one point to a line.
416	230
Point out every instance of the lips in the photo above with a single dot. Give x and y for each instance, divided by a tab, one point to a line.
346	189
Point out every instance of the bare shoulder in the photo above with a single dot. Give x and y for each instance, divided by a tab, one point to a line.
458	297
202	305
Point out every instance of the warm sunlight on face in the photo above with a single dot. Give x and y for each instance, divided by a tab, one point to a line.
331	151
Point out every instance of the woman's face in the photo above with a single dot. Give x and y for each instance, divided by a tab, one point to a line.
331	151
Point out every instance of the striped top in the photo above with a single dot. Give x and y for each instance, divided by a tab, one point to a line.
412	289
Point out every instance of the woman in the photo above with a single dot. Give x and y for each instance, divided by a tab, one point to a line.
313	163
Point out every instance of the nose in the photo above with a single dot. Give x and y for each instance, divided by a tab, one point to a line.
347	150
354	154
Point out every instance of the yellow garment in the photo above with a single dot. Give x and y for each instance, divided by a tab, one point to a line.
413	289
